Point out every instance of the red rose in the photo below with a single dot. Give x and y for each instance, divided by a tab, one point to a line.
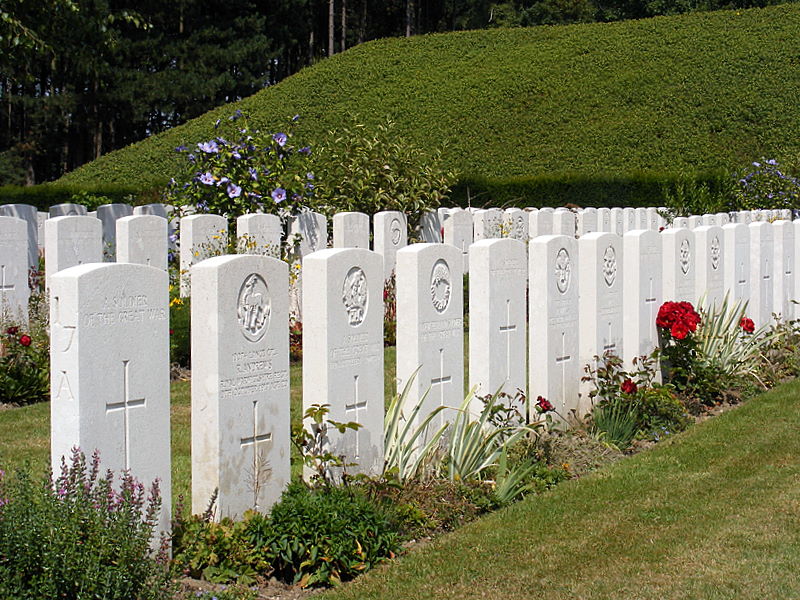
747	325
679	331
628	386
171	331
543	404
12	330
25	340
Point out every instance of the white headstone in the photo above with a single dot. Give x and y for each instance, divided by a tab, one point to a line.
587	221
604	220
617	220
540	222
351	230
430	328
108	215
761	272
498	336
723	218
680	223
142	240
710	220
391	233
30	215
458	231
737	261
71	241
430	227
156	209
308	232
641	293
654	220
202	236
14	290
343	350
109	375
629	219
41	217
515	224
259	234
564	222
694	221
710	265
68	209
642	219
488	224
796	225
680	256
783	269
601	275
240	383
555	369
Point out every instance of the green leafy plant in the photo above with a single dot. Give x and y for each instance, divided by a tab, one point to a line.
102	545
24	361
765	184
312	443
179	329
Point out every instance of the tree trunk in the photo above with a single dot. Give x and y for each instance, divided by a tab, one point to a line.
344	25
331	25
362	30
409	18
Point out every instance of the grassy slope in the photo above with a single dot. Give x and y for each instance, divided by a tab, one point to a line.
688	92
713	513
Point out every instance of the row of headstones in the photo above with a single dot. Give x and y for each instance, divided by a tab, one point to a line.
109	349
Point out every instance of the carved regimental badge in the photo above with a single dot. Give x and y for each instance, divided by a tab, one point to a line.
396	232
610	266
715	253
253	308
563	270
441	286
355	296
685	256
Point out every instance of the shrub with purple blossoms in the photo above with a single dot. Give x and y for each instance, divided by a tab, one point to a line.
252	172
765	184
79	537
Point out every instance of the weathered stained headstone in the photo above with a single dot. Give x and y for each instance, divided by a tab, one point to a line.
71	241
488	224
430	227
586	221
783	269
679	256
30	215
202	236
555	369
343	350
710	265
109	355
458	231
14	290
108	215
430	328
601	275
390	234
351	230
240	383
641	293
498	335
515	224
737	261
761	273
259	234
142	240
68	209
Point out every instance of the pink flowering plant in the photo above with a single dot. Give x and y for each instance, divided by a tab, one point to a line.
244	170
80	536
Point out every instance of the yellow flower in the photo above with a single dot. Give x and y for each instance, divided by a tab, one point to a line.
176	302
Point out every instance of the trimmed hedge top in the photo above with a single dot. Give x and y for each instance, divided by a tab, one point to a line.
694	92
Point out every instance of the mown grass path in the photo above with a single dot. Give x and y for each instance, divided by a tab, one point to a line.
711	513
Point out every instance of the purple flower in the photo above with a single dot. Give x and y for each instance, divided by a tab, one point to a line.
294	118
216	124
309	176
772	162
209	147
191	157
280	139
222	181
756	164
278	195
234	191
253	173
237	115
236	155
207	178
305	150
180	148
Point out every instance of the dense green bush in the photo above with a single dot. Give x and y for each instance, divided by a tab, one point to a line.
78	537
89	194
686	93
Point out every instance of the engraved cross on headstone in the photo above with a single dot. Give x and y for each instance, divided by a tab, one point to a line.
4	287
443	379
650	301
254	440
561	361
124	405
609	343
507	330
354	407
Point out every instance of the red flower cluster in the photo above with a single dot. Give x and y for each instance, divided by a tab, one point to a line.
628	386
543	404
680	318
25	340
747	325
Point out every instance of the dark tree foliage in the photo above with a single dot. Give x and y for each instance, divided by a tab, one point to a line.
79	78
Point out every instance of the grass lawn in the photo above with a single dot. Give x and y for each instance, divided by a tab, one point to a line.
711	513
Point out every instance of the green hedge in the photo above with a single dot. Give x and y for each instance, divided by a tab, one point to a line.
558	189
46	195
688	93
